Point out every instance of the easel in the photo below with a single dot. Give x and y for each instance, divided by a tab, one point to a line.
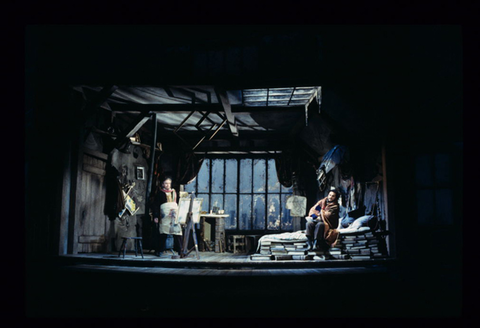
190	227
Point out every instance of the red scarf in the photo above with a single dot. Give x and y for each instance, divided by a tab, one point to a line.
174	194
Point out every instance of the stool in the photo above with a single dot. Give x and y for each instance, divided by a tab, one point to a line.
239	244
137	241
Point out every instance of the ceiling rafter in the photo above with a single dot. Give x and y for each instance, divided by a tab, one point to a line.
132	128
223	98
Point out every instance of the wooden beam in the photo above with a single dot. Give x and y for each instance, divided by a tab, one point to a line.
223	98
213	108
244	145
132	128
152	161
96	154
226	135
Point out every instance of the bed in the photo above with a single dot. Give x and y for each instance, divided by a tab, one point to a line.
299	236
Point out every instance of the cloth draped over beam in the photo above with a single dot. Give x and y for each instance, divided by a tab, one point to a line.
188	166
294	161
182	167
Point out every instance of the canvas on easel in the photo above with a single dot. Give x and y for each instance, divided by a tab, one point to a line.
196	209
189	219
183	208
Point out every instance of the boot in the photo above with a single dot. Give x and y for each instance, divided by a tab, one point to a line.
324	247
310	242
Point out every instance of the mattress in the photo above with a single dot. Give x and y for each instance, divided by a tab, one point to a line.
299	236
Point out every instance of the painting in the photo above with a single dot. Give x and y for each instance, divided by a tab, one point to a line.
130	205
196	209
140	171
184	206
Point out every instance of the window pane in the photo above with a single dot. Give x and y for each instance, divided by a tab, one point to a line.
245	211
245	175
231	210
443	204
259	212
191	186
287	221
217	201
425	206
204	177
231	175
273	184
205	202
423	171
259	175
217	175
442	169
273	212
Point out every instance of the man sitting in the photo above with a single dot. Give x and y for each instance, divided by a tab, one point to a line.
321	232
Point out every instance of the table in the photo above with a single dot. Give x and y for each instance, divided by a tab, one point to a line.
220	244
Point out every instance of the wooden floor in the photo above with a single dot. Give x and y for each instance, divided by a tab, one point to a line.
167	257
210	263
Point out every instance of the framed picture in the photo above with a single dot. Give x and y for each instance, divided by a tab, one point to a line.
140	172
184	206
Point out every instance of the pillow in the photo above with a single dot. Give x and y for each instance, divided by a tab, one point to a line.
361	221
346	221
357	212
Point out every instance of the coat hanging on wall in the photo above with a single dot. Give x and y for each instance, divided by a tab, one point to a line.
332	159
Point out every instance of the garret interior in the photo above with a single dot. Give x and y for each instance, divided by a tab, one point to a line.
391	95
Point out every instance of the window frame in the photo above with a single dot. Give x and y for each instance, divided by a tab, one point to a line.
282	191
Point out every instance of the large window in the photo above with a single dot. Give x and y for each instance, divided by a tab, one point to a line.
247	189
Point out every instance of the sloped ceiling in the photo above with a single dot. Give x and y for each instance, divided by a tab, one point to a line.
267	118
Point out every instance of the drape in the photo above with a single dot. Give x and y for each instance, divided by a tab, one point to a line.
188	165
284	168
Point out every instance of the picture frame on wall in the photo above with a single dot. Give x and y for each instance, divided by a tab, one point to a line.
140	172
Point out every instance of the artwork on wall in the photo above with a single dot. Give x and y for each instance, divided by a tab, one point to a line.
140	172
297	205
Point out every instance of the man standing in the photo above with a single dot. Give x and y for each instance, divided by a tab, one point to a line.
321	232
165	217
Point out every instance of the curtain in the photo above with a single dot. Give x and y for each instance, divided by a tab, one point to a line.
284	168
188	165
295	162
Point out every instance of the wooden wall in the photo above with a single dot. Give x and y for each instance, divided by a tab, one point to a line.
91	224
